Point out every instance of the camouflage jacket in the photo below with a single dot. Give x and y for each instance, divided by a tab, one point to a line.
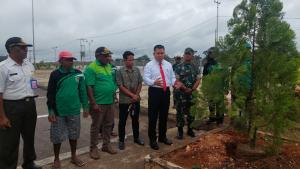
187	73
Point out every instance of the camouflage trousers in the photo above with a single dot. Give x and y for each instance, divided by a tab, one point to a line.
182	110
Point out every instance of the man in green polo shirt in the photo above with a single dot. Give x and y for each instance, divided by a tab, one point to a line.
101	91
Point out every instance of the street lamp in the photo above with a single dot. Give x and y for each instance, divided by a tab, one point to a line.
55	49
33	40
217	29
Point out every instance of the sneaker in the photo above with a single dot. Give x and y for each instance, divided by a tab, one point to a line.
109	149
94	153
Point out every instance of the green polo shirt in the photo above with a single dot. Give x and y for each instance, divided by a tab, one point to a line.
100	78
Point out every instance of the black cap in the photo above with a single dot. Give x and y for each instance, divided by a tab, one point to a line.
15	41
103	51
189	51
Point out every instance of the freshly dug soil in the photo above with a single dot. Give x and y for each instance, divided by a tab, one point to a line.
229	149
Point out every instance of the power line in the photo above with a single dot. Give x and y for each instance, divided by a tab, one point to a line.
142	47
180	15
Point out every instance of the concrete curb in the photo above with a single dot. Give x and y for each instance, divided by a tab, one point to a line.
67	155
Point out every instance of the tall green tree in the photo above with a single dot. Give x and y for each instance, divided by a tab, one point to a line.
261	54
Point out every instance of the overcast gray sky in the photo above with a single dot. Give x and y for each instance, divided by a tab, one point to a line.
120	25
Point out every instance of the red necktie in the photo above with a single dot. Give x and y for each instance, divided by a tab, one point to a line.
163	77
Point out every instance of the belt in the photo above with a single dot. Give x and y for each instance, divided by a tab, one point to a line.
25	99
153	87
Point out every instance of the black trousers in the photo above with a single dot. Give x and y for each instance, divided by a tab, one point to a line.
158	108
123	114
22	116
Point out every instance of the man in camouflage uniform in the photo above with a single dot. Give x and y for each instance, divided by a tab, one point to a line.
212	69
189	75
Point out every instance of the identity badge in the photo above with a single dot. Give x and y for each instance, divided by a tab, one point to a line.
34	84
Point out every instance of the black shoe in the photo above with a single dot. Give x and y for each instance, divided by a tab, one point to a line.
180	133
191	133
154	145
31	166
210	120
166	141
121	145
139	141
220	120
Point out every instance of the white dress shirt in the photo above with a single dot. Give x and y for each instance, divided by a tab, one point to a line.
152	73
15	79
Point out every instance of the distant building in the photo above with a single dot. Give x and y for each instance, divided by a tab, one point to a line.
2	58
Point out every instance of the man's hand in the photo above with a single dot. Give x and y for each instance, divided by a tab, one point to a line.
52	118
178	85
159	82
86	113
4	122
188	90
135	98
95	108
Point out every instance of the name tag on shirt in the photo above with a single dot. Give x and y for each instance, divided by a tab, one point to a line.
13	74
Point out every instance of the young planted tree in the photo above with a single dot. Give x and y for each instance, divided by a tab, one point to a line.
261	54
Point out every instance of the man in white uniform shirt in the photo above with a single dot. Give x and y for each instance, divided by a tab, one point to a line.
17	106
159	76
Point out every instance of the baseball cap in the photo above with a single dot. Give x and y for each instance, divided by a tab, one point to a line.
103	51
189	51
66	54
15	41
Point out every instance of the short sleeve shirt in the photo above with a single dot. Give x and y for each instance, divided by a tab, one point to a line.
15	79
100	78
130	79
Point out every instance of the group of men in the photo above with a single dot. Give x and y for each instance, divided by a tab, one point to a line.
93	91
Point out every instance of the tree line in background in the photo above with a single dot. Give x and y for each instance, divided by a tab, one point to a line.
139	61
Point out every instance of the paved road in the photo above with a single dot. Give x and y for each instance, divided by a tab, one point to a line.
42	140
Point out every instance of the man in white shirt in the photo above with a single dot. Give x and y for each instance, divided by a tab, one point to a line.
17	106
159	76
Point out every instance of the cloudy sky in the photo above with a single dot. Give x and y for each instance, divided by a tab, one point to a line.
121	25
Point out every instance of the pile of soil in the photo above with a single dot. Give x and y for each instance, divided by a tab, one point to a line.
227	150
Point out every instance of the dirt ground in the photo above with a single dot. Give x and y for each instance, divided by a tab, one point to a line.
225	150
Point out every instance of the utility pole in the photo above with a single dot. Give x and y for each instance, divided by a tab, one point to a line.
217	28
89	43
82	48
55	49
33	40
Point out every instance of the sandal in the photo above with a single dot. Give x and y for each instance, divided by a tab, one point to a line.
56	165
78	162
